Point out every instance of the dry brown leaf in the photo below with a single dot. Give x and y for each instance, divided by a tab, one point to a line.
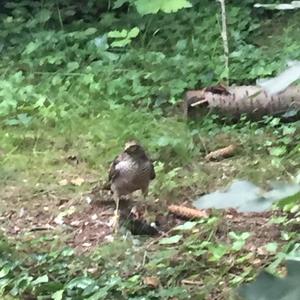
151	281
77	181
63	182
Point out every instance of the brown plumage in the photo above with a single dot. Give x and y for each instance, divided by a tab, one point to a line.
130	171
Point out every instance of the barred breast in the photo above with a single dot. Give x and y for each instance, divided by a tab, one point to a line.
132	176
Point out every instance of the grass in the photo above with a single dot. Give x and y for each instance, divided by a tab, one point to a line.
36	157
209	259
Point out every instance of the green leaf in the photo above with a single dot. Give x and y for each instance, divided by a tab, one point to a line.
170	240
24	119
67	252
58	295
238	245
44	15
31	47
294	199
3	284
134	32
71	66
80	282
90	31
118	34
217	252
271	247
287	130
152	7
186	226
119	3
278	151
120	43
101	294
41	279
5	270
275	122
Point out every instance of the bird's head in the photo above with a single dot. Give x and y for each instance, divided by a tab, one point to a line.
133	147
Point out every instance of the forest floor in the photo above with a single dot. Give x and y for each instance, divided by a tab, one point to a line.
48	186
49	190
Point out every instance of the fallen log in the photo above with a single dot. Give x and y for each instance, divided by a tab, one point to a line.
235	101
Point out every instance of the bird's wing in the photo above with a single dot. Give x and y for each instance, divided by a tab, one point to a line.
113	171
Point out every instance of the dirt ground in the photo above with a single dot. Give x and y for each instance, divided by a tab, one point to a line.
86	222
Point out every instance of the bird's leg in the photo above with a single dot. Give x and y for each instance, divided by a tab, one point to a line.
145	194
116	214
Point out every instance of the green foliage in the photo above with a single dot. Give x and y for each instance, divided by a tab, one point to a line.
124	36
58	62
192	252
290	203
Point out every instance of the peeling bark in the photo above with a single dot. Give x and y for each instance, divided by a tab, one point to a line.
236	101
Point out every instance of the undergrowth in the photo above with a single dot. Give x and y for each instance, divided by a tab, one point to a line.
192	263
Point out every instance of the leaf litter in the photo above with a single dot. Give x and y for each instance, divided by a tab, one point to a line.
89	223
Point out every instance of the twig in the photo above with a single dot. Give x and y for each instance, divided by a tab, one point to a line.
41	228
192	282
198	102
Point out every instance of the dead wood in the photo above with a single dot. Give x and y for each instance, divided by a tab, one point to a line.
221	153
236	101
186	212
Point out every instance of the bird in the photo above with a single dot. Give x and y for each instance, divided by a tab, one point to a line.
130	171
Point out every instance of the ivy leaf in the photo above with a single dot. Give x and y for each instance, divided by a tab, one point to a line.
119	3
217	252
117	34
238	245
186	226
31	47
43	16
4	271
121	43
170	240
278	151
73	65
90	31
3	284
134	32
80	282
58	295
41	279
271	247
